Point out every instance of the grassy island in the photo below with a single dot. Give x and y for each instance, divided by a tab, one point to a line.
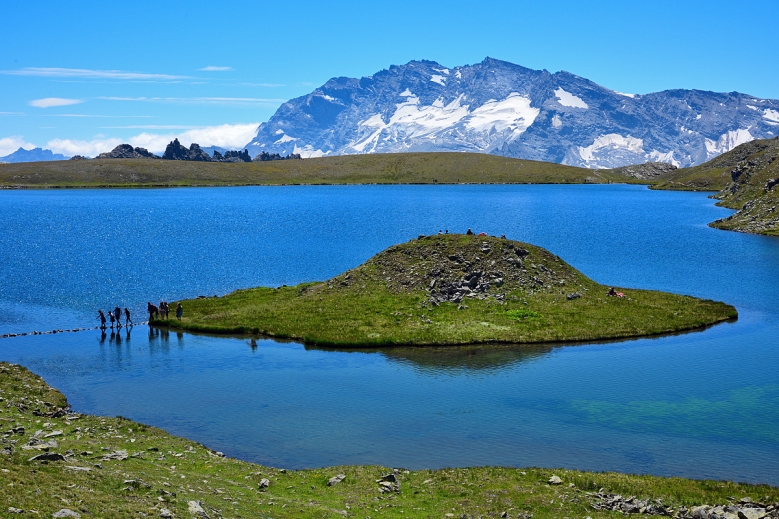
451	289
53	460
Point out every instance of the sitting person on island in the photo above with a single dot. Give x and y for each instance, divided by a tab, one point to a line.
179	311
614	293
470	232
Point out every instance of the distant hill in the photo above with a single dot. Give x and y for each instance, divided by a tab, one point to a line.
33	155
504	109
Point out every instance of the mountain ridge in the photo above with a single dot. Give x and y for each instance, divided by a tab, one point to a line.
506	109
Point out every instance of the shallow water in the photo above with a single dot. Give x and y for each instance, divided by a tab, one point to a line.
703	404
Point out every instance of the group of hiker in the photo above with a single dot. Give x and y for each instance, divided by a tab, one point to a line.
162	311
115	317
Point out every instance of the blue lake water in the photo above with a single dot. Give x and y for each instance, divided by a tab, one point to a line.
702	404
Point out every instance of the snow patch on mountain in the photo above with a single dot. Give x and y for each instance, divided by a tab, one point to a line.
513	113
441	80
285	138
556	121
624	94
568	99
307	152
771	115
727	141
612	140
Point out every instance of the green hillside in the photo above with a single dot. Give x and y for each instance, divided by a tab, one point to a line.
396	168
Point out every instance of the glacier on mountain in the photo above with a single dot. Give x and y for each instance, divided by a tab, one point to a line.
505	109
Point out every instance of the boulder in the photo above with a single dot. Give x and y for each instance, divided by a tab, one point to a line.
555	480
335	480
66	513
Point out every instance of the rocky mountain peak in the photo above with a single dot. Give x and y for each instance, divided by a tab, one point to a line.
505	109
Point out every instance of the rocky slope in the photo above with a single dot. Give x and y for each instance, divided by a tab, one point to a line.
505	109
753	190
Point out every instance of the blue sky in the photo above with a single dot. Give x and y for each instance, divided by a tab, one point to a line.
79	77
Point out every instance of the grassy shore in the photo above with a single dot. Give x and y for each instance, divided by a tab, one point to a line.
114	467
451	289
395	168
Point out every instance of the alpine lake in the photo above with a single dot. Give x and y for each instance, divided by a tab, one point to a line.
703	404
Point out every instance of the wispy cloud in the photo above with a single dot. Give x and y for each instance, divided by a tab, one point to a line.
152	127
99	116
9	145
90	74
212	68
225	136
265	85
198	100
48	102
11	113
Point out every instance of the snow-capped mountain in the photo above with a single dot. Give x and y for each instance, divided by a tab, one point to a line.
505	109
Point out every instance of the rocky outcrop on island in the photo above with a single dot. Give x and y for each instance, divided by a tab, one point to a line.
231	156
126	151
478	267
79	157
176	151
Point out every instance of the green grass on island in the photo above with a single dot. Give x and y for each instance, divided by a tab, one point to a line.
392	168
97	466
451	289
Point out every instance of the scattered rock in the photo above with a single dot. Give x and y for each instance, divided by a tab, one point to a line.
555	480
165	513
389	483
116	455
335	480
12	510
66	513
48	456
196	508
264	484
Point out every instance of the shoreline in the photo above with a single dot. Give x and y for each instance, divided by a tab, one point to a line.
115	467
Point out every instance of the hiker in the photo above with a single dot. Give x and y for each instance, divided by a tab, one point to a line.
163	310
117	316
111	318
470	232
179	311
101	316
127	320
152	310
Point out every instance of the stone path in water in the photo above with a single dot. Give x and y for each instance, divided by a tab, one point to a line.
52	332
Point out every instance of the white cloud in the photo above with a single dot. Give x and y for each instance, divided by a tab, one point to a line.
212	68
89	74
48	102
225	136
70	147
9	145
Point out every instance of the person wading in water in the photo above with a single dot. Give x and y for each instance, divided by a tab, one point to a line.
127	320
